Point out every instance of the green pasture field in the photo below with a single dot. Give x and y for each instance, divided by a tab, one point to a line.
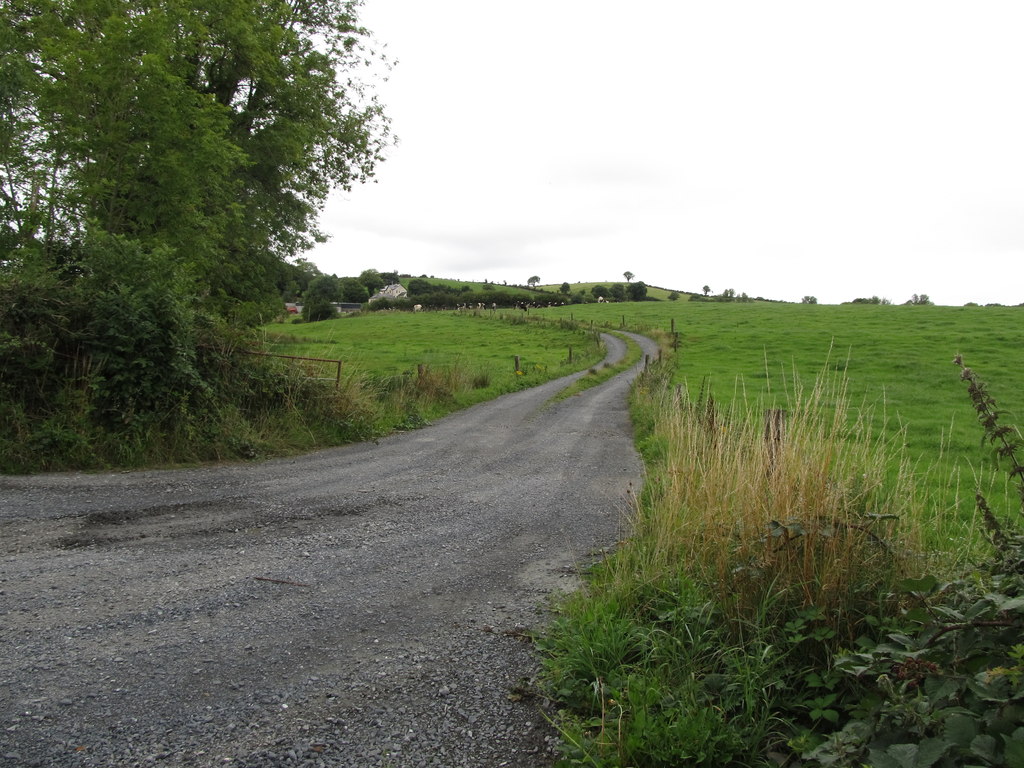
897	360
389	343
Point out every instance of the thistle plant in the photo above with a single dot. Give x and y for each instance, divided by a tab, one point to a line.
1006	440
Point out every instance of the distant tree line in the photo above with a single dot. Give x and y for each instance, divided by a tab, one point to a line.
445	296
729	294
322	292
618	292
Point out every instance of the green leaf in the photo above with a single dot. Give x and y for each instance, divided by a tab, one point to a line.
961	730
930	751
923	755
1013	750
923	586
1005	603
940	688
918	615
896	756
984	746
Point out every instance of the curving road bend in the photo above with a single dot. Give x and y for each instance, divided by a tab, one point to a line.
360	606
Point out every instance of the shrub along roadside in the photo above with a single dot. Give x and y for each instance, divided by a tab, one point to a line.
711	636
108	361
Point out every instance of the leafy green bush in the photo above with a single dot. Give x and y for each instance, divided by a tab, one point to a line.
318	310
945	686
110	363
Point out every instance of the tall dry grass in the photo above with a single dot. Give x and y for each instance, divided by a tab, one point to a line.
774	517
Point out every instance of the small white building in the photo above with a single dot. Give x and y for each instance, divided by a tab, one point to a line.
393	291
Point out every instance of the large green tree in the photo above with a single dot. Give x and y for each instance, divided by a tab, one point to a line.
637	291
211	130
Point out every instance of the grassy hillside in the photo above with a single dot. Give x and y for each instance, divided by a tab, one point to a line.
662	294
393	342
483	345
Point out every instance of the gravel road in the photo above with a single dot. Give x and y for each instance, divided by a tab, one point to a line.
359	606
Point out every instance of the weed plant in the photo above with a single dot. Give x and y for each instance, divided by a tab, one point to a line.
773	606
787	516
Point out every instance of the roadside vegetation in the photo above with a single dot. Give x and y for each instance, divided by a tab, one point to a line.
797	588
159	384
844	588
161	166
601	373
895	360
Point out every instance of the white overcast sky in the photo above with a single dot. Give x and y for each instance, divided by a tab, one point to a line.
778	148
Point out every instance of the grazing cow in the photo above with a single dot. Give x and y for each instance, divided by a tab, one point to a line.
417	307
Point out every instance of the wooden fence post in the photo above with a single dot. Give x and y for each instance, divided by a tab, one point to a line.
517	363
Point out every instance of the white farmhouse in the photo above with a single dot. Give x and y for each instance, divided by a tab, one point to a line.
393	291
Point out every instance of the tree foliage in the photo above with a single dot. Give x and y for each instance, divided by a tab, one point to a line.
373	280
162	166
211	128
637	291
353	290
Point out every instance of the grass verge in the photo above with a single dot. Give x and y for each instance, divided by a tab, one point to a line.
602	372
759	551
